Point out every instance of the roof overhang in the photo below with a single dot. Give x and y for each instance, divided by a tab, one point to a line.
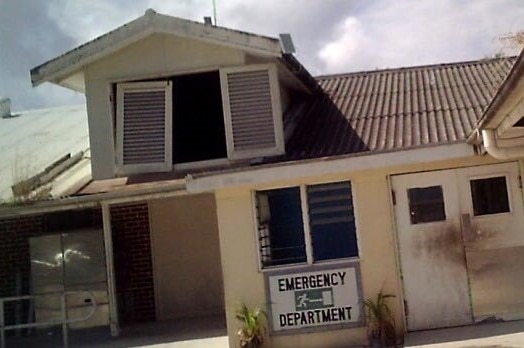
67	69
137	193
502	126
247	177
269	173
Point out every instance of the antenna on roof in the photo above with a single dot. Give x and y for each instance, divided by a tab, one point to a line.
286	43
214	12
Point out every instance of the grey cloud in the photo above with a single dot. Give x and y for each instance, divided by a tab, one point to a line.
28	37
310	23
353	35
413	32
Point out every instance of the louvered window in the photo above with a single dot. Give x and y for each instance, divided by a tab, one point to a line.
144	117
306	224
331	221
252	111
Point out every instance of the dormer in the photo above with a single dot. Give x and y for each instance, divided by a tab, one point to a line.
166	94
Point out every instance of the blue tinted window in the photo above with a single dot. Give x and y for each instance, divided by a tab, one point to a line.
331	219
281	231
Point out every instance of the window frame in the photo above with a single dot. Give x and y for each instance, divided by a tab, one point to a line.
232	155
165	166
489	176
310	261
444	205
276	106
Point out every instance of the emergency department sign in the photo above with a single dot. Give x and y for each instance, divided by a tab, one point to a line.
317	298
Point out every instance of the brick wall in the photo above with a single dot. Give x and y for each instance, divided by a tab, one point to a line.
133	264
132	255
14	252
15	263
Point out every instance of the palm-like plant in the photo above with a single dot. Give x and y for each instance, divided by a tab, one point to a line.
251	333
380	321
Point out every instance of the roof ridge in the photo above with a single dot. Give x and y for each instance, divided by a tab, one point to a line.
139	28
415	67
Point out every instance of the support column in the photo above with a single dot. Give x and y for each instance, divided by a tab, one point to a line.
110	269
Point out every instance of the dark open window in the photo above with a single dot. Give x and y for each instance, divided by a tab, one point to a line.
489	196
426	204
280	227
231	113
198	121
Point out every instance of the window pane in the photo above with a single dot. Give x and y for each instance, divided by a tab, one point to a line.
426	204
280	227
332	224
489	196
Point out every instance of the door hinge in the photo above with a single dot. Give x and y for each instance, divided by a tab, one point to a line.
406	308
393	197
520	181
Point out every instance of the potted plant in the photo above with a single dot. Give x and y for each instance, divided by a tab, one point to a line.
252	330
380	322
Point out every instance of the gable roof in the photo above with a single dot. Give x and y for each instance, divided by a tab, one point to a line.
508	86
67	64
31	141
394	109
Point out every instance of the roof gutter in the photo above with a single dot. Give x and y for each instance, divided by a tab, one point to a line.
499	152
115	197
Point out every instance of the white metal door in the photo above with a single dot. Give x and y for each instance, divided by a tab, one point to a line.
431	250
493	228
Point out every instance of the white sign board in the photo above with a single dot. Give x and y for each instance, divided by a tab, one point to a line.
312	299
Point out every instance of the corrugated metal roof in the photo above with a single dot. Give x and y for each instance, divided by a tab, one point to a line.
32	140
394	109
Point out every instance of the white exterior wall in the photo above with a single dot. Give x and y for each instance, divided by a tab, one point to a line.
376	232
158	55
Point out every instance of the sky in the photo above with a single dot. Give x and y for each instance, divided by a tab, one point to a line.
330	36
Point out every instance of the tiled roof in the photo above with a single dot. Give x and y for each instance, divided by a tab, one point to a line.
394	109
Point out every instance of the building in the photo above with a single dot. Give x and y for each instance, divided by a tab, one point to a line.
224	173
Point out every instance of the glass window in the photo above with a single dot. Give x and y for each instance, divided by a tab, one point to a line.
280	227
331	220
489	196
426	204
281	222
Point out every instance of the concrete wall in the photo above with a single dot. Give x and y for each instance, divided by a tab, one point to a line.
186	257
243	282
155	56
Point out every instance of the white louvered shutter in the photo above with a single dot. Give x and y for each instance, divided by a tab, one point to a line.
144	134
252	111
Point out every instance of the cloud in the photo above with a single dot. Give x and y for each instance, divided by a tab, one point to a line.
411	32
351	39
330	36
309	22
28	37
